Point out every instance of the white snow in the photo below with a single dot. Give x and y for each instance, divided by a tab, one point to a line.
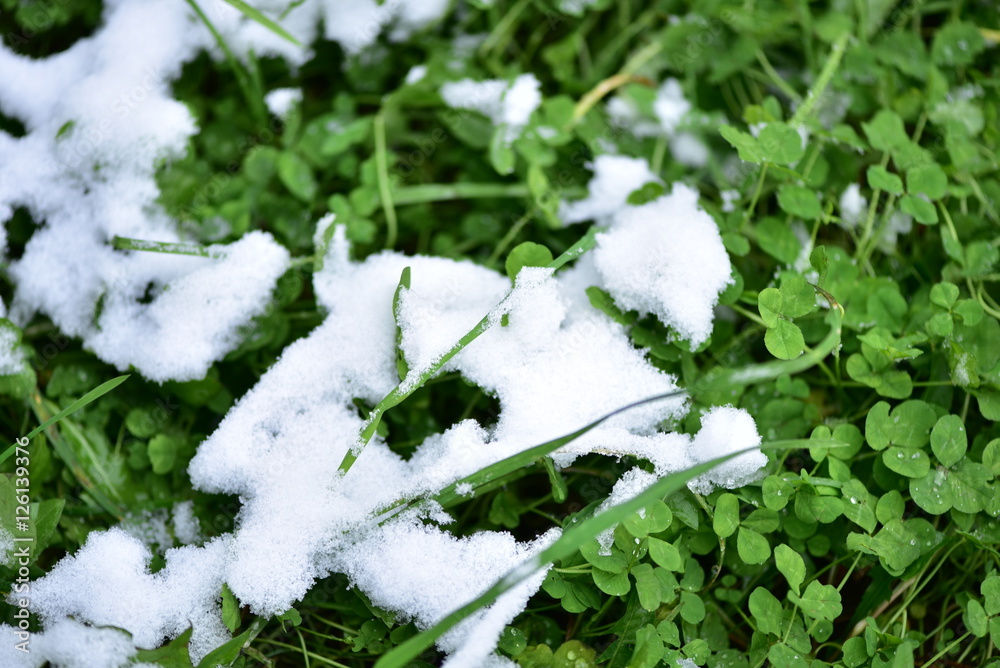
68	644
416	74
615	177
670	105
507	105
281	101
666	257
852	206
726	430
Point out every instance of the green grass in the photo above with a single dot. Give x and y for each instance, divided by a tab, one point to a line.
873	538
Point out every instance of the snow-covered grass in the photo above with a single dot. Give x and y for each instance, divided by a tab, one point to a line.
349	435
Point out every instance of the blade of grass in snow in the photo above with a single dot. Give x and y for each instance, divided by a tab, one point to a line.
409	385
448	497
254	98
255	15
567	544
125	243
95	393
68	455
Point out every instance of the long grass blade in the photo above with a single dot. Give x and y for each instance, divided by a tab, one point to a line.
95	393
256	15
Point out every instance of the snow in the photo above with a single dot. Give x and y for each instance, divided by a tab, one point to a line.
281	101
615	178
68	644
11	353
416	74
507	105
726	430
852	206
123	121
666	257
6	546
670	105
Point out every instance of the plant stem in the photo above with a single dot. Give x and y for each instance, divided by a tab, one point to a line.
125	243
382	167
818	88
416	378
445	192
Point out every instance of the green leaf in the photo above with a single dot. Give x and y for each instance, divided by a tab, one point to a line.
890	507
990	590
859	505
969	485
784	340
769	306
780	144
162	451
927	179
798	298
527	254
921	210
776	238
957	43
944	294
747	146
256	15
665	554
766	610
820	601
296	174
692	607
230	609
880	179
603	302
855	652
752	547
791	565
402	368
502	155
94	394
799	201
777	492
228	652
647	586
614	584
173	654
949	440
727	515
782	655
975	619
908	462
648	648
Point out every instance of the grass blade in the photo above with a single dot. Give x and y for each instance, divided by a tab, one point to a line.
567	544
95	393
408	386
256	15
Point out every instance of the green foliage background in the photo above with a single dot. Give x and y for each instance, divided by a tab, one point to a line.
873	544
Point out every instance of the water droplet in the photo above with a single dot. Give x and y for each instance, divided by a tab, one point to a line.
854	500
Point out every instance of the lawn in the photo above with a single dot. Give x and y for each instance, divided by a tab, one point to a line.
485	334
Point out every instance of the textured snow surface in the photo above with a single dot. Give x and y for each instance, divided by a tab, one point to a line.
507	105
666	257
615	177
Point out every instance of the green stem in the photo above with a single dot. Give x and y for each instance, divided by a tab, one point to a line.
416	378
445	192
776	79
954	643
125	243
385	192
818	88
